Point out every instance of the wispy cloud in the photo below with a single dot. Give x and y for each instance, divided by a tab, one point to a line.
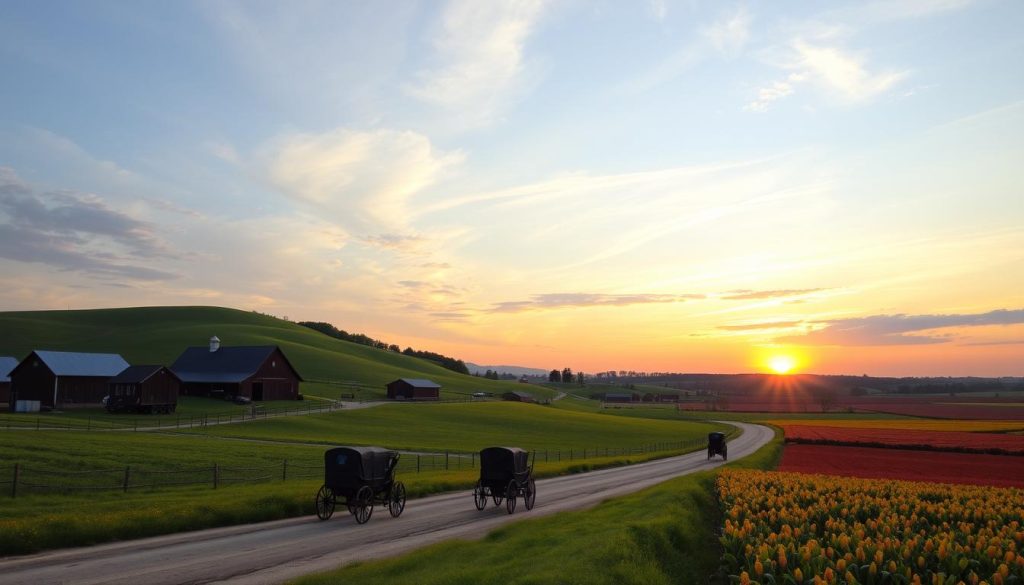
729	35
480	56
566	300
361	179
760	326
75	231
748	295
900	329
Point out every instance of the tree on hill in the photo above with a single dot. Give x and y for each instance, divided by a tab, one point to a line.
555	376
453	364
567	376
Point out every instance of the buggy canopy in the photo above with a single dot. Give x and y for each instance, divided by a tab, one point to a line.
365	463
503	461
716	438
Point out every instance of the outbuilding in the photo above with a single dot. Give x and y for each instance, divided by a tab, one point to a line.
145	389
413	389
6	365
58	379
518	397
620	397
257	372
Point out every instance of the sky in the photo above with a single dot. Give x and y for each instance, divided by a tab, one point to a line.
602	185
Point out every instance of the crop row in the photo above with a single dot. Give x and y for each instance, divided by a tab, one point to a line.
915	439
973	426
809	529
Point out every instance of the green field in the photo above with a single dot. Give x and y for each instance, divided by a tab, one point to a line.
661	535
469	427
158	335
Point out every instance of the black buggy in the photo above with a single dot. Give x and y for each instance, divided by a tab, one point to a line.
363	476
505	475
717	446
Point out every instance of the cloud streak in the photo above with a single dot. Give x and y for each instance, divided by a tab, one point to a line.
760	326
580	300
750	295
900	329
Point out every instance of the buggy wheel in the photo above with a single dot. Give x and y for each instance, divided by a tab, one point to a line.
396	499
531	494
324	503
510	496
725	453
363	504
479	496
711	453
498	498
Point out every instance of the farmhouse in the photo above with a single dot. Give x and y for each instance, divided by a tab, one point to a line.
413	389
620	397
518	396
143	389
62	378
258	372
6	365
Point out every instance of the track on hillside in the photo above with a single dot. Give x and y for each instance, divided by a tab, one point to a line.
272	552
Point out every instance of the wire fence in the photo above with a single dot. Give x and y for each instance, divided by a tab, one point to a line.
18	479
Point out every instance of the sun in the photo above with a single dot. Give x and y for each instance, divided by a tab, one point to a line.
782	364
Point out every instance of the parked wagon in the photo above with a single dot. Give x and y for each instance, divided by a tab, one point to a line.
360	477
505	475
717	446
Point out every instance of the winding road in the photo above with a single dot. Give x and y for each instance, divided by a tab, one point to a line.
272	552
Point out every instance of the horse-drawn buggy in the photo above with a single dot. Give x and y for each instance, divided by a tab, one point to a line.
362	476
717	446
505	474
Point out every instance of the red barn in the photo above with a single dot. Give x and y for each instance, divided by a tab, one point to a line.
6	365
413	389
62	378
259	372
145	389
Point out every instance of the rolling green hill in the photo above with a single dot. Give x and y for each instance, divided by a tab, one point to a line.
151	335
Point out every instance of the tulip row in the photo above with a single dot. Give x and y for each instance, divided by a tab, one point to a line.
803	529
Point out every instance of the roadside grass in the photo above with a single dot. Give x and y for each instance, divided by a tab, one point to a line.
661	535
158	335
45	521
469	427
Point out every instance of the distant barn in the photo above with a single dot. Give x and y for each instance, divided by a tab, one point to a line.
6	365
145	389
667	397
259	372
413	389
620	397
518	397
59	379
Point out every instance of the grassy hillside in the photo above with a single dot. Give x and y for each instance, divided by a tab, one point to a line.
159	335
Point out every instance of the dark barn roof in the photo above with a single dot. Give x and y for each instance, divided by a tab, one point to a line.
520	395
136	375
230	365
6	365
418	383
618	396
69	363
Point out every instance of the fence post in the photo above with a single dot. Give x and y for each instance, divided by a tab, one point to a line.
88	425
136	424
127	474
446	459
284	471
417	463
216	475
14	484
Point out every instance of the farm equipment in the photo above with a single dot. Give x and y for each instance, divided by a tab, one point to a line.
505	475
717	446
363	476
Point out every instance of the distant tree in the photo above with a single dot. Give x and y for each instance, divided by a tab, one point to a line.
555	376
394	348
567	376
581	379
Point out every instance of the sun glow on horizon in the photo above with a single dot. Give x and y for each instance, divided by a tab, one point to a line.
782	364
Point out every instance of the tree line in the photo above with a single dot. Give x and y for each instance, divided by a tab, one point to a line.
566	376
453	364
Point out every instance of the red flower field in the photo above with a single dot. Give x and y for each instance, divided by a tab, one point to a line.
930	440
934	466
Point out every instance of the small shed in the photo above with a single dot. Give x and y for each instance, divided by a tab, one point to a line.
663	397
62	378
145	389
413	389
518	397
7	364
620	397
257	372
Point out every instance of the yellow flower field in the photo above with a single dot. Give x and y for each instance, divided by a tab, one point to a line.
976	426
812	529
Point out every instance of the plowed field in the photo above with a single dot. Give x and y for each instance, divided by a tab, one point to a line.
912	439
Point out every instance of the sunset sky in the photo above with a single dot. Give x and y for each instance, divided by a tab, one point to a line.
691	186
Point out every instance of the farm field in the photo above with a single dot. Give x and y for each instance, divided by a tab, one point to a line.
865	421
941	407
469	427
928	466
977	442
796	528
158	335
